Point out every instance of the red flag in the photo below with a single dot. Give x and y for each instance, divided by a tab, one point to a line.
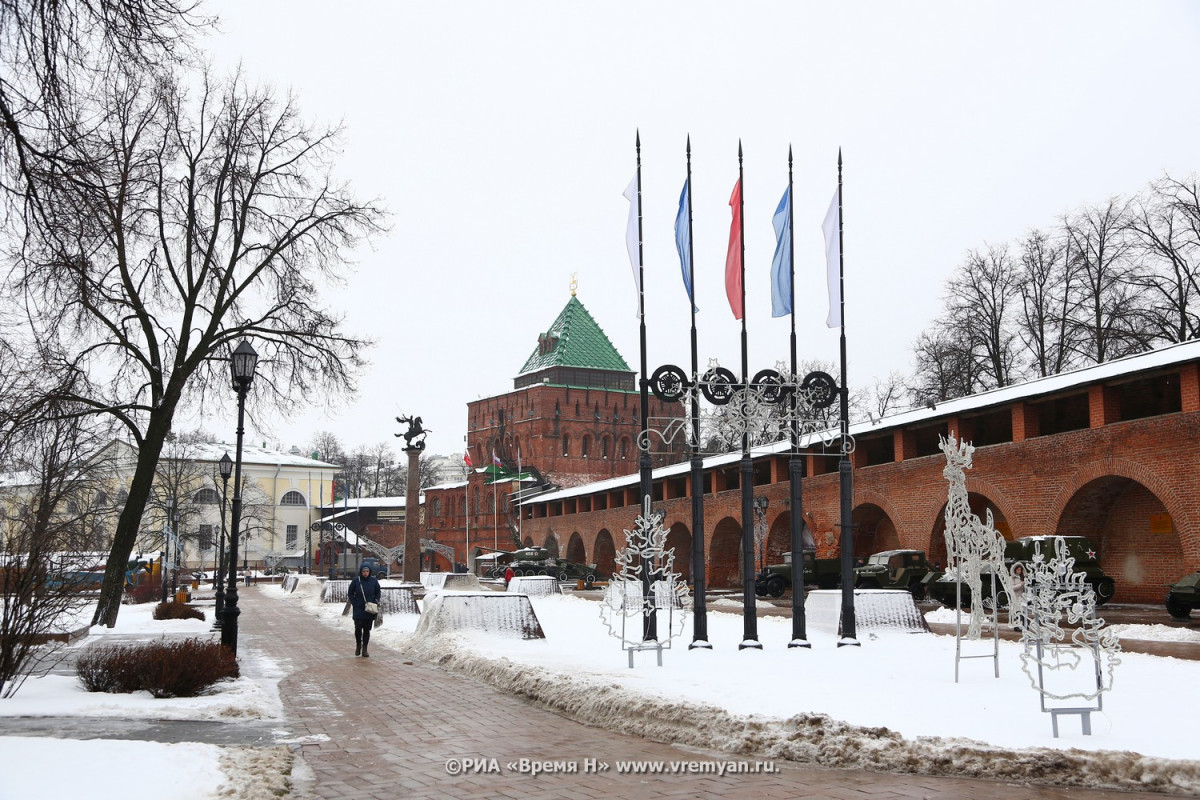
467	459
733	258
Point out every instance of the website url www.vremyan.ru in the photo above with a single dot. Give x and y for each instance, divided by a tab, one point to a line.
719	768
534	767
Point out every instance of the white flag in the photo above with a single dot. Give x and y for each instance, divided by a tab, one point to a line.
833	260
633	239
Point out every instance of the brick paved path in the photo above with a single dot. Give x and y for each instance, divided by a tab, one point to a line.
392	726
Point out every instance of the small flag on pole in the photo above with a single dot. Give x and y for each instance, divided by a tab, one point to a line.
467	459
633	237
781	264
496	459
733	258
833	259
683	238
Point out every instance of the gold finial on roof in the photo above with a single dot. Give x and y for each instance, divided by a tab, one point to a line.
574	283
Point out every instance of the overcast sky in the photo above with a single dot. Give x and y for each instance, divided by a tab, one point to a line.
500	135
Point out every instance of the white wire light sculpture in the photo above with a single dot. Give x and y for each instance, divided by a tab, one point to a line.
645	586
1054	592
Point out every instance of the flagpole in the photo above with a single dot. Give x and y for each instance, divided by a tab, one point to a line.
749	613
795	462
845	468
467	512
520	514
645	470
699	584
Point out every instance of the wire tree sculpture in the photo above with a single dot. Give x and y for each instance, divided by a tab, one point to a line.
1055	592
645	583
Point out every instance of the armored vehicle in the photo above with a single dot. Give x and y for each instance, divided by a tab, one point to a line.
1080	548
1184	596
538	561
894	569
824	573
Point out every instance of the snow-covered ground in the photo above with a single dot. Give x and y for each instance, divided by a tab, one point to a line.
29	764
891	703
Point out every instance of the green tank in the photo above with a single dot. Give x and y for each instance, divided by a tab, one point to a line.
538	561
1080	548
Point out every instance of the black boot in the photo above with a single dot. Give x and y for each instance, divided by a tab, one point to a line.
365	653
358	649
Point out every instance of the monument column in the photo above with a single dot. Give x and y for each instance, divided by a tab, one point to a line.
412	518
414	444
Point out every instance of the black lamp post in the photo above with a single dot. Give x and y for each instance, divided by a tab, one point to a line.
166	560
226	467
241	366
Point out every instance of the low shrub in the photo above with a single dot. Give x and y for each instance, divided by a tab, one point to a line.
175	610
184	668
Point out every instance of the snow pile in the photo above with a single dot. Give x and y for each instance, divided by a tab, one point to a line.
509	615
289	583
534	585
335	591
1157	633
874	610
737	602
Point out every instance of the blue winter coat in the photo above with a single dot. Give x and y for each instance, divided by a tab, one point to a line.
363	590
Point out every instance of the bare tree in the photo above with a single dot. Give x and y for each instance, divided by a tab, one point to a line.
1165	223
981	297
1045	287
53	55
1105	307
48	526
185	225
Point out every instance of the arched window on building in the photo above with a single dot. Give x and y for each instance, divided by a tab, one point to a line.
292	498
206	497
566	445
604	446
624	447
437	506
585	445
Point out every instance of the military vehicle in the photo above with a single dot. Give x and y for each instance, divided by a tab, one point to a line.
1022	551
1184	596
895	569
774	580
538	561
1080	548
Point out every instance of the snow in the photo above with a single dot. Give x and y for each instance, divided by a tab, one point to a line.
890	703
196	771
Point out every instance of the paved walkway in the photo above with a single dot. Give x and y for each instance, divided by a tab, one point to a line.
394	726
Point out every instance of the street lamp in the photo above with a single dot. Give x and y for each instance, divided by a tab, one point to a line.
226	467
241	366
167	531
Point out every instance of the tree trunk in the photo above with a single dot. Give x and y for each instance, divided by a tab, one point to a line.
131	516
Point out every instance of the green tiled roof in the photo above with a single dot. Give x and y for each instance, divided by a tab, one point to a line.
574	340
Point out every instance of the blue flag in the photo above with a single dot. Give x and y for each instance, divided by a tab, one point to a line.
781	264
683	240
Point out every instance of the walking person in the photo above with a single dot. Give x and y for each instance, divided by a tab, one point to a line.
364	589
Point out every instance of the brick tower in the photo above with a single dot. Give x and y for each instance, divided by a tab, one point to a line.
572	418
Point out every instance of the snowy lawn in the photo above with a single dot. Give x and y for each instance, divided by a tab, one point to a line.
891	703
198	771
